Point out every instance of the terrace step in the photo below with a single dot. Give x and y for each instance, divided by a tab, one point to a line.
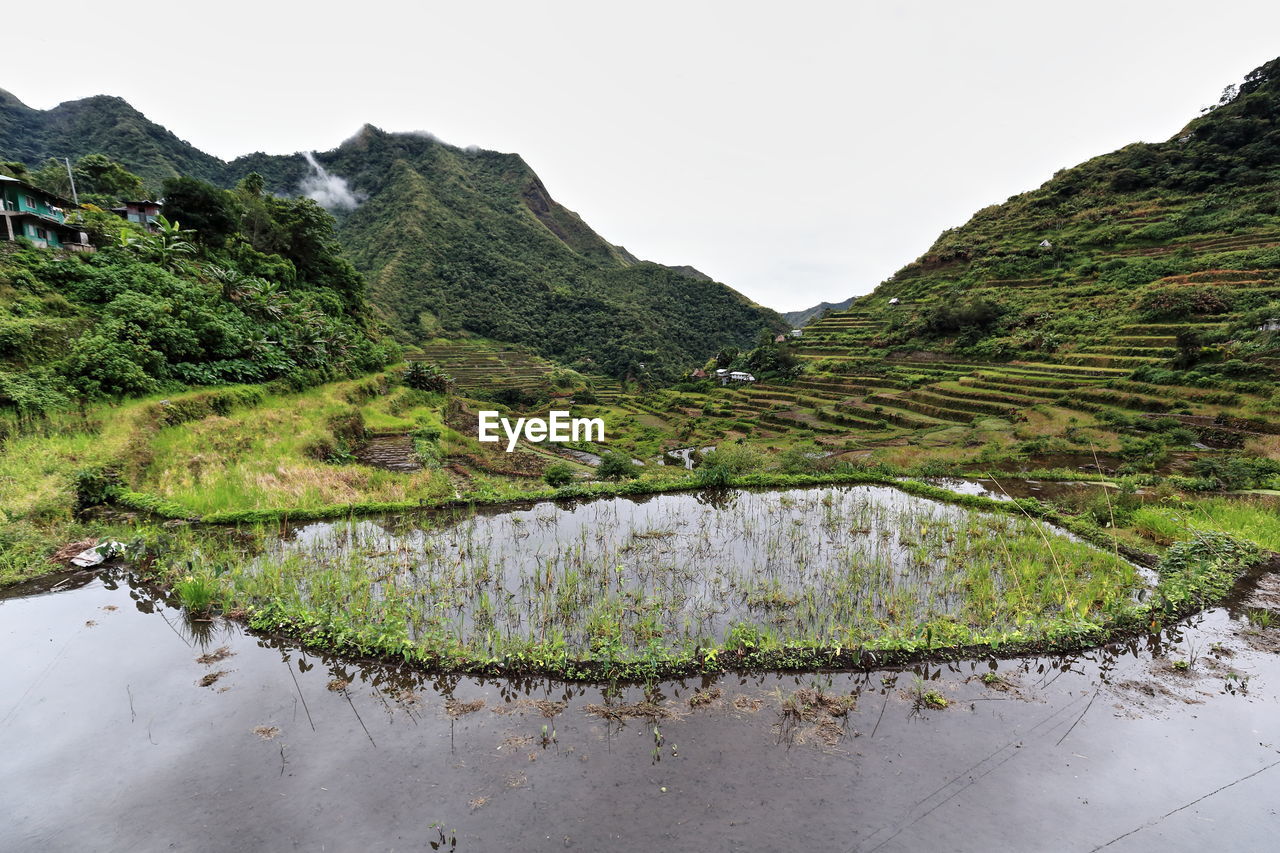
1169	328
922	408
1144	351
389	452
967	389
1039	394
1120	399
892	415
946	402
1147	340
1073	370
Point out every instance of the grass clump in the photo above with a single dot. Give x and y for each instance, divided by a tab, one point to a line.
197	593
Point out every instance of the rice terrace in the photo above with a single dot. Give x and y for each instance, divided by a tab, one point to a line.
368	498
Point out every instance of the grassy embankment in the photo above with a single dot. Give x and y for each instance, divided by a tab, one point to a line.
244	455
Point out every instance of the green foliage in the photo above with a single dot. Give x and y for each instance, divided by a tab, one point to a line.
1202	569
471	241
158	311
1237	472
1181	302
202	207
96	486
98	180
735	458
615	465
33	393
425	376
197	593
970	317
168	247
1144	453
558	474
771	359
743	637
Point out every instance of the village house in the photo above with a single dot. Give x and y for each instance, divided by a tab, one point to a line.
38	216
1271	325
741	376
780	339
795	333
141	213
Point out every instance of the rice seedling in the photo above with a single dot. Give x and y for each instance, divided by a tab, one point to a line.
1260	618
647	579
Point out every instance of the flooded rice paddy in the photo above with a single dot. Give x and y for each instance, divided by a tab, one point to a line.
833	565
126	726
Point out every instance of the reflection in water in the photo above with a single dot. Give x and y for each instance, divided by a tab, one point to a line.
832	564
288	737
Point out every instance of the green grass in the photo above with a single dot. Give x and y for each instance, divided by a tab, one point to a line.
1252	519
264	458
833	567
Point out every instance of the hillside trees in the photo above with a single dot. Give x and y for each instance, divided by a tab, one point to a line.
154	311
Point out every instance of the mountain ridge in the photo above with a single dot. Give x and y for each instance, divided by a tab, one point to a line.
453	241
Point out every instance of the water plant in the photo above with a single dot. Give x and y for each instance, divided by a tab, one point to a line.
1260	617
197	594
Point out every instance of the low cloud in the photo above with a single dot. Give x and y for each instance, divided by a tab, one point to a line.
329	191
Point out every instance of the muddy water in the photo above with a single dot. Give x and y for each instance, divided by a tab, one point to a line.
686	457
1012	488
110	742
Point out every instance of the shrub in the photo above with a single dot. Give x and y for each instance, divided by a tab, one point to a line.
347	427
425	376
736	458
1182	302
714	476
973	315
616	466
743	637
1144	453
1237	472
559	474
95	486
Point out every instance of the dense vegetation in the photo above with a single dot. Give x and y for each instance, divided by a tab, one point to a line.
260	292
453	242
99	125
1181	233
469	241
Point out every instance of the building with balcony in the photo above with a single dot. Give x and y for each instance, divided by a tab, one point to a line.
38	216
140	212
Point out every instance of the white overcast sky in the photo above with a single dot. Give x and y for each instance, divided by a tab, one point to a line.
798	151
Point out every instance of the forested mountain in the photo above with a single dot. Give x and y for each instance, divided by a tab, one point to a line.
799	318
452	241
100	125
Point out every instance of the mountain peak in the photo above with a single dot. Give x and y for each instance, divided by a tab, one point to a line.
11	101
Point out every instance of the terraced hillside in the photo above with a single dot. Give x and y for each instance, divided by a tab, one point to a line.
1133	289
487	367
